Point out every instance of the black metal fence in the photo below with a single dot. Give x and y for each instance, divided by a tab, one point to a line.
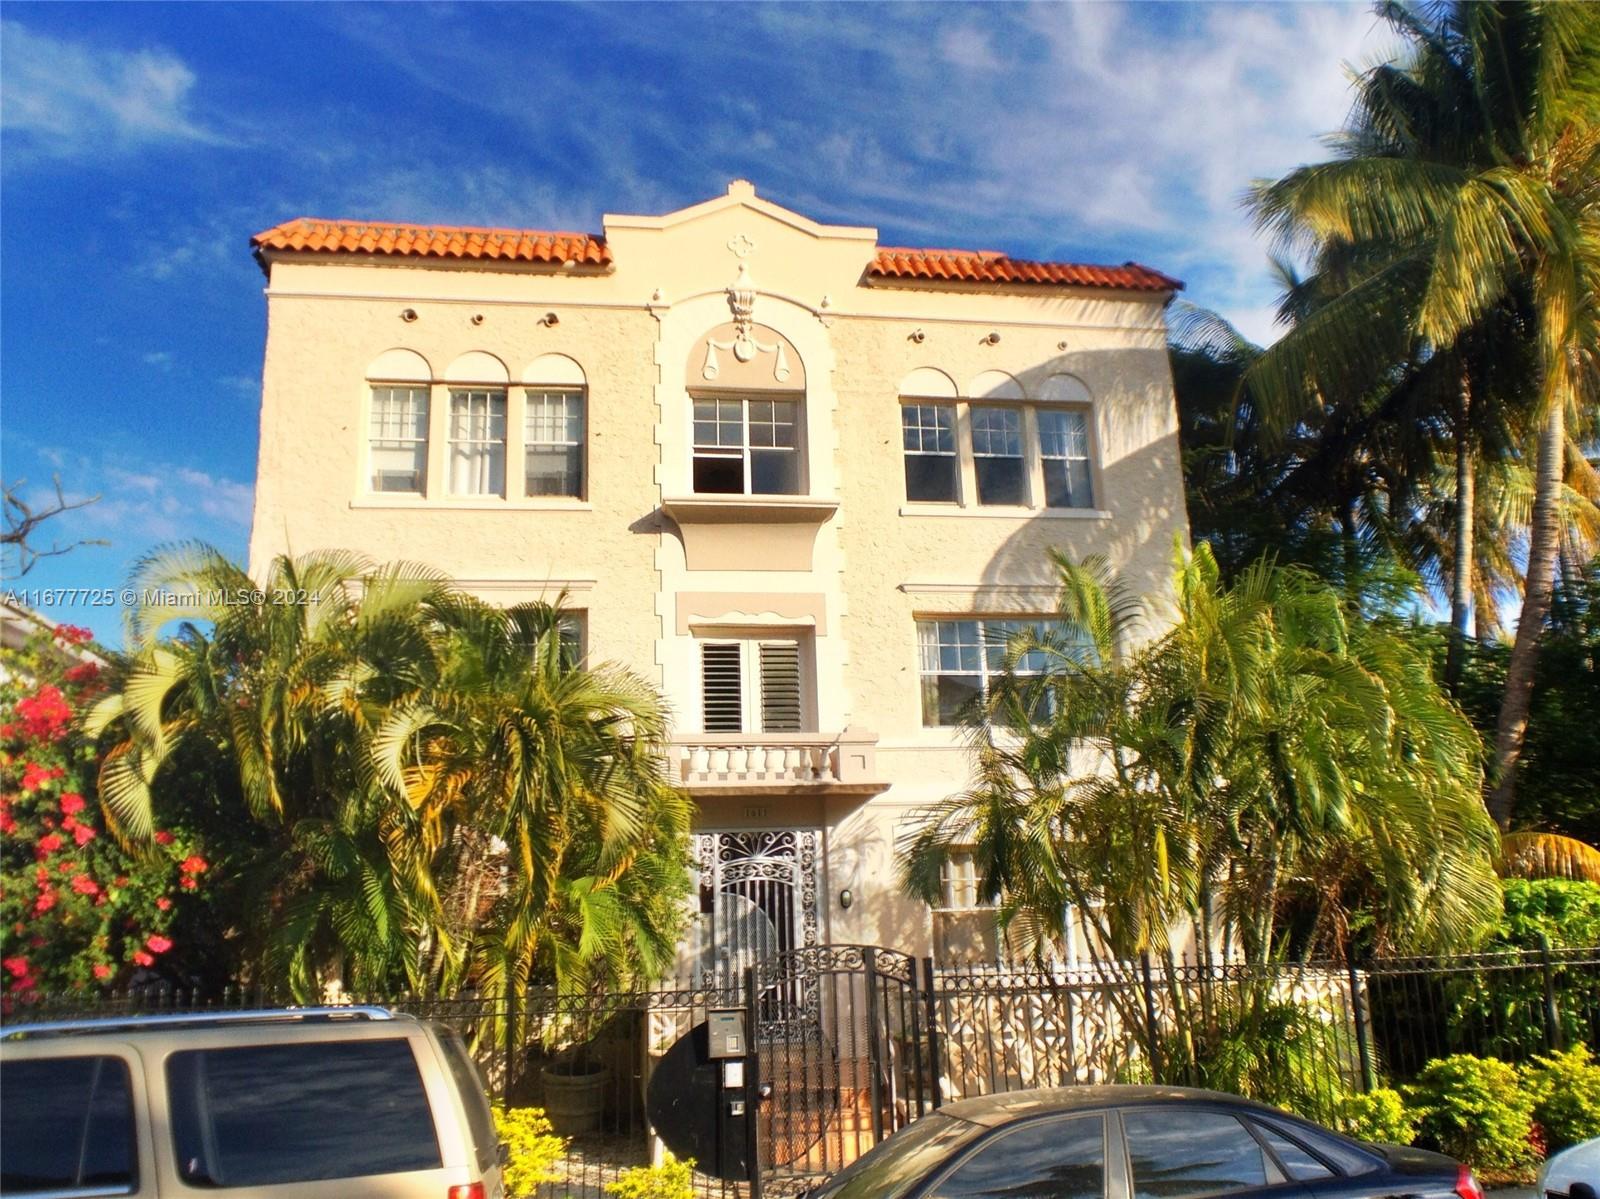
856	1042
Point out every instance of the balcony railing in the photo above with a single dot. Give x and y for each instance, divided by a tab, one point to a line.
801	761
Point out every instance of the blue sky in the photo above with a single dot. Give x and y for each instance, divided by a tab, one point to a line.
142	144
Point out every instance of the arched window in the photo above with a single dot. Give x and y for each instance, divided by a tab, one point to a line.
397	447
478	383
555	428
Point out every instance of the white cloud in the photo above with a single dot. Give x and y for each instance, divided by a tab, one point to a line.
64	99
162	360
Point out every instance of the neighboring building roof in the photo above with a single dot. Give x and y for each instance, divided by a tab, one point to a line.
432	241
992	266
314	236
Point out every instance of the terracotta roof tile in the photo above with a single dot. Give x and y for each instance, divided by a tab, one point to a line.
991	266
433	241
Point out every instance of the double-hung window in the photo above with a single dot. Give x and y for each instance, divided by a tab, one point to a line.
747	446
398	449
961	659
752	685
1029	450
933	468
553	439
999	465
1064	456
477	441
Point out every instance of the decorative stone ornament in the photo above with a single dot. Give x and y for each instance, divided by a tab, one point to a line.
744	345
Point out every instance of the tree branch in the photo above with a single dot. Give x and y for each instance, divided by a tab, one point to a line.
22	523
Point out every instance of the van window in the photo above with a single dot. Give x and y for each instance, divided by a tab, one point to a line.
265	1114
474	1098
66	1123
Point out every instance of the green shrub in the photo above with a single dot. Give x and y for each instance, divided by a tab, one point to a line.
1379	1115
1565	1089
1474	1108
672	1179
534	1148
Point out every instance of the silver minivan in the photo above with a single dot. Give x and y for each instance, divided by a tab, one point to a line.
355	1101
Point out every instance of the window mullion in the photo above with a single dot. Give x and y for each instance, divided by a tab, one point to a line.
516	441
1033	459
968	490
744	447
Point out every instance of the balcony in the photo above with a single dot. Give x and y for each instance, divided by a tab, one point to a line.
778	763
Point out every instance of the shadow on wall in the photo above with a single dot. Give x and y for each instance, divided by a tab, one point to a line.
1137	476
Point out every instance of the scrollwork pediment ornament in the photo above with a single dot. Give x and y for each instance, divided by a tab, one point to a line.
745	346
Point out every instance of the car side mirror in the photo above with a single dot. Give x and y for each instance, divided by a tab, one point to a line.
504	1155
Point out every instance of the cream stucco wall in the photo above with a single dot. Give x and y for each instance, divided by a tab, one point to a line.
875	564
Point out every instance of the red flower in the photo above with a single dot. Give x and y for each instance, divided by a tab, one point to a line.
187	883
7	824
34	776
49	843
25	984
72	803
17	966
83	834
141	958
122	880
84	885
194	864
163	904
74	634
44	715
46	901
163	838
83	672
102	971
157	944
68	823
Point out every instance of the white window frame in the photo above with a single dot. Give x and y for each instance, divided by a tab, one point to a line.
923	431
1087	458
532	394
987	641
743	451
751	720
374	386
470	394
967	501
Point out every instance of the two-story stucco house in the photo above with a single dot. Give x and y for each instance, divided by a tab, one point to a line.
793	477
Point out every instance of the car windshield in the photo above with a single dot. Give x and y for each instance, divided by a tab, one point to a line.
889	1170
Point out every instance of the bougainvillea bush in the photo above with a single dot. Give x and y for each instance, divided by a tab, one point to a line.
77	912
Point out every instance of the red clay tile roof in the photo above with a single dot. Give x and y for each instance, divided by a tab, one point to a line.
433	241
991	266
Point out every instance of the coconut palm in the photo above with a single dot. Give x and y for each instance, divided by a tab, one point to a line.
1470	181
1272	751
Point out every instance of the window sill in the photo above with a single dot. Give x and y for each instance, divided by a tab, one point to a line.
997	512
464	503
749	509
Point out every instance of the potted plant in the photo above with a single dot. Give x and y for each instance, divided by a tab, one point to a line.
575	1090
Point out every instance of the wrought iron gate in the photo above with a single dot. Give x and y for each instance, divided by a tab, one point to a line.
843	1039
759	890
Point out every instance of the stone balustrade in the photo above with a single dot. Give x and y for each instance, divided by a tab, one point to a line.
747	760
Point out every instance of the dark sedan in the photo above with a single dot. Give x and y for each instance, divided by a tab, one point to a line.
1136	1143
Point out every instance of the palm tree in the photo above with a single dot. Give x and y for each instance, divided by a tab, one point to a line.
449	794
1273	751
562	766
286	680
1472	176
